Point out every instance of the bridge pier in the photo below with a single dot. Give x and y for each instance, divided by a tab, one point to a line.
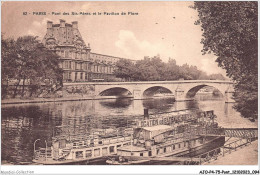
137	94
180	95
229	94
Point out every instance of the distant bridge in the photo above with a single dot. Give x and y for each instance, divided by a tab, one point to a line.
181	90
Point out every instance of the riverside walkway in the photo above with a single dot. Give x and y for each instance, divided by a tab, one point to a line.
237	157
45	100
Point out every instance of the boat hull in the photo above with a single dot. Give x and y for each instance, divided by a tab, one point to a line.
213	143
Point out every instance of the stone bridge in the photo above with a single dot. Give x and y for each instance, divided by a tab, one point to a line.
182	90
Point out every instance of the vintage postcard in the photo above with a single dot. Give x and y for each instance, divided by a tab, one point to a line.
145	83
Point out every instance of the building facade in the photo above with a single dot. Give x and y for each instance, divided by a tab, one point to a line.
76	60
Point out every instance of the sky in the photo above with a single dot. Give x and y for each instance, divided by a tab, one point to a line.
151	28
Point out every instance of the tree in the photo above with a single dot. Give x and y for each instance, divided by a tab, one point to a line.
230	32
216	77
124	69
28	62
153	69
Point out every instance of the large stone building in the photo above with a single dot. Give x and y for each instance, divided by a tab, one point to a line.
77	62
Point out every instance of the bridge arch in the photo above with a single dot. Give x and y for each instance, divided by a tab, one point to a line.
191	92
151	91
116	91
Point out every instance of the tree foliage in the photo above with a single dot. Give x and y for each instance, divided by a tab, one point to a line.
153	69
28	63
230	32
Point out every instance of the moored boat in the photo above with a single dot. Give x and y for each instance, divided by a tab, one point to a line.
80	149
154	140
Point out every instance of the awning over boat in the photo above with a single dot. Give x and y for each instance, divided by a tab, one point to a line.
150	132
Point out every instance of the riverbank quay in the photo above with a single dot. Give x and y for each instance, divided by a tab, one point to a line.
62	99
238	157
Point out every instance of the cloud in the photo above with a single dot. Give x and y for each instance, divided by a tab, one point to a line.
210	66
134	48
37	27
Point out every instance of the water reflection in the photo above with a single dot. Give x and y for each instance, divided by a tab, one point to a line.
23	124
117	103
162	104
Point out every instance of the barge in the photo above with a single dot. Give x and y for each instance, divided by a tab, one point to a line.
153	140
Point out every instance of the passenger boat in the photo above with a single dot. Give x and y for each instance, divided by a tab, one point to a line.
64	150
149	137
168	138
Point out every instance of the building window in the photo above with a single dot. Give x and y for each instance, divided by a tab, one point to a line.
88	153
173	147
64	75
62	53
79	154
111	149
81	76
80	66
76	75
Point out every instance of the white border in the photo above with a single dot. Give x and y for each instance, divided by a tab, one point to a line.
131	169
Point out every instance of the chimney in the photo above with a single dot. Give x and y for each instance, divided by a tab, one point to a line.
62	23
146	115
75	24
49	24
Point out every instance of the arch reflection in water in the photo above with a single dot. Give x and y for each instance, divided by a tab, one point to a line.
116	103
157	91
156	104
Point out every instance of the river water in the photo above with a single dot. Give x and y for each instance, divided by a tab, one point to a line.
22	124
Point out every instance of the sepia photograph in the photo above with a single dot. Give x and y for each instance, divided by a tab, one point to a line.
130	83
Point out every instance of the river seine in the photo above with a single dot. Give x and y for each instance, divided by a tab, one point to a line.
22	124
